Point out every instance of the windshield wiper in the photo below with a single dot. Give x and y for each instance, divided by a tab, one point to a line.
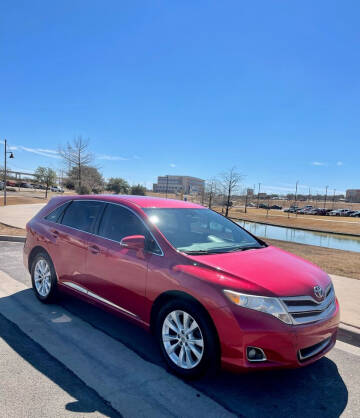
194	252
250	247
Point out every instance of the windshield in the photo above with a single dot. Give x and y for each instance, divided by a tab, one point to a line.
200	231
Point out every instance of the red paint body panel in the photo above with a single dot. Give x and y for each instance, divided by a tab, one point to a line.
130	281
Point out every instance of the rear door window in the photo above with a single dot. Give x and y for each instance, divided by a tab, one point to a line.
118	222
82	215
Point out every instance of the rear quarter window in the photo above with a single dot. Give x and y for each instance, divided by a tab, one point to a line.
56	214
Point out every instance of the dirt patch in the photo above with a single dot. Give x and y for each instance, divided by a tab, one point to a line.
342	263
9	230
21	200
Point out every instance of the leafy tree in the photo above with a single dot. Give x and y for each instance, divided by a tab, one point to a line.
83	189
118	185
47	176
138	190
92	180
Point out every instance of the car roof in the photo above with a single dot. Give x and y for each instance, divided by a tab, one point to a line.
140	201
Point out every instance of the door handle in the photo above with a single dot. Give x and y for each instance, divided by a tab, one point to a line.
55	233
94	249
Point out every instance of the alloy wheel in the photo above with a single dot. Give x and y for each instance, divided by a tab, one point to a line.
42	277
182	339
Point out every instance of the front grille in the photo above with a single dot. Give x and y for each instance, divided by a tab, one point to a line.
308	352
305	309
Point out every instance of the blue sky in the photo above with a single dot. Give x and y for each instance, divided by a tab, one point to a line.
186	87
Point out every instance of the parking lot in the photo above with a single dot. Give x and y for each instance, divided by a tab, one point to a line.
122	368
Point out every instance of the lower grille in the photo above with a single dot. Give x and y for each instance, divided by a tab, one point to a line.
305	309
308	352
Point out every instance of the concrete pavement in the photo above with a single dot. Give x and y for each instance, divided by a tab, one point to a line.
34	384
19	215
94	352
348	292
132	386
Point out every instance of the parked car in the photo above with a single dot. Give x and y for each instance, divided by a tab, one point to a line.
1	185
263	206
276	207
26	185
57	189
356	214
210	291
292	209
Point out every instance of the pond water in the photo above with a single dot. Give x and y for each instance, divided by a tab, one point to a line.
301	236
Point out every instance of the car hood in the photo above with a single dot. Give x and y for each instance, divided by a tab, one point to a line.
271	270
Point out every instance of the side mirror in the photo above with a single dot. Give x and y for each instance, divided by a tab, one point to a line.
133	242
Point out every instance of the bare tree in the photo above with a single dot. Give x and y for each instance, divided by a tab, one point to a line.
230	181
211	189
76	155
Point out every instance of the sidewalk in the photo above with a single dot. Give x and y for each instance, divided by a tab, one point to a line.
19	215
348	292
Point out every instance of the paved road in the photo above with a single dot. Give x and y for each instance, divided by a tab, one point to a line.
328	388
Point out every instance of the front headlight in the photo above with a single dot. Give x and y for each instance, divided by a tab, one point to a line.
271	306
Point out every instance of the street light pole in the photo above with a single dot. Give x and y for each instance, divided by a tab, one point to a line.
296	188
258	196
5	155
333	199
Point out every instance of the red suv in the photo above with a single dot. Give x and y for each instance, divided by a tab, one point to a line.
210	291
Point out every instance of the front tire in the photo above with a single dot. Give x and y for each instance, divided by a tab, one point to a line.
43	278
187	339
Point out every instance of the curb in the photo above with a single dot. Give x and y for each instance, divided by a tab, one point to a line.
12	238
349	334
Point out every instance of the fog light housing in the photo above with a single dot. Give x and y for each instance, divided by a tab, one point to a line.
255	354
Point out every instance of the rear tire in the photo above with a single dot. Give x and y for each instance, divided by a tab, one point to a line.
187	339
43	278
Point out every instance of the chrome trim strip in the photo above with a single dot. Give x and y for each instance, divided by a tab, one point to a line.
309	298
317	350
318	311
108	239
95	296
314	318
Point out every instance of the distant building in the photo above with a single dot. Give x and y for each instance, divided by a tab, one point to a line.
250	192
353	195
179	184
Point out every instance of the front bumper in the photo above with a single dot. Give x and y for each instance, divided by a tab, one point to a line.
284	345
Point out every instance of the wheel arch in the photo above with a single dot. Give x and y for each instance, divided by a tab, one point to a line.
33	253
180	295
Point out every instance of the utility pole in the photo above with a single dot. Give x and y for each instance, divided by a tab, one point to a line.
333	199
246	200
5	156
167	183
296	189
258	196
326	189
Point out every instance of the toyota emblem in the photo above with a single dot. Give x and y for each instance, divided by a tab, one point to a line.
319	292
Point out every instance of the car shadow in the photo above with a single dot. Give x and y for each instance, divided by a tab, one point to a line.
86	399
315	390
